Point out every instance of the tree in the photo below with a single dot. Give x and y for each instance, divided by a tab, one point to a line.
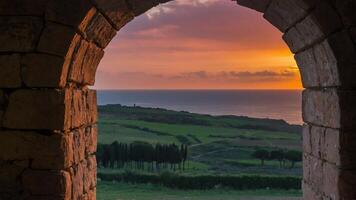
278	155
262	155
294	156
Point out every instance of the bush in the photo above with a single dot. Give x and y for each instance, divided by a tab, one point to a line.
246	182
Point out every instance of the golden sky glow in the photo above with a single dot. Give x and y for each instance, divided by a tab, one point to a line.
198	44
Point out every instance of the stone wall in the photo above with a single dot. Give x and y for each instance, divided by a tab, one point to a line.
49	53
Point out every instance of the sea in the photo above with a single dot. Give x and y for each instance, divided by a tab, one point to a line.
272	104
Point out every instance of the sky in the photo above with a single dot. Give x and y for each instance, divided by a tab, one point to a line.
198	44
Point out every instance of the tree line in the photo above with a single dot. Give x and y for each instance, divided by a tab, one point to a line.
280	155
142	155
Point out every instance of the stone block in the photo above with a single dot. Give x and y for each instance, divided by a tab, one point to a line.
77	175
141	6
51	183
38	109
10	76
309	194
43	70
322	107
328	64
116	10
346	9
99	30
284	14
258	5
23	7
58	40
86	58
91	140
90	174
322	21
68	12
19	34
45	151
10	175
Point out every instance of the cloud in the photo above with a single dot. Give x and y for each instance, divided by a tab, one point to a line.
239	75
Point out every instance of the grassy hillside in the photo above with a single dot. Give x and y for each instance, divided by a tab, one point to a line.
217	144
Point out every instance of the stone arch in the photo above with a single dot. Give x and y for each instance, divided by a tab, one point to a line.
49	52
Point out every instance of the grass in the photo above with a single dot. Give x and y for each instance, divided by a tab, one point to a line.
121	191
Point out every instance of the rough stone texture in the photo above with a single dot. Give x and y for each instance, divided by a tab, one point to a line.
58	11
35	65
259	5
285	13
116	10
44	152
50	109
99	30
324	66
50	50
140	6
322	21
38	109
10	76
86	58
57	183
331	145
2	105
322	107
23	7
57	39
19	34
327	181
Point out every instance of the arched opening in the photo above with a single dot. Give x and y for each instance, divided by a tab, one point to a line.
167	58
49	54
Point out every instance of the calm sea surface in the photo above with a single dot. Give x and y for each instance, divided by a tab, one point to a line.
275	104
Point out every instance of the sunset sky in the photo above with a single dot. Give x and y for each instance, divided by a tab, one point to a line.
198	44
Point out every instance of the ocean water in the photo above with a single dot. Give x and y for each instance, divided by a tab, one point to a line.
274	104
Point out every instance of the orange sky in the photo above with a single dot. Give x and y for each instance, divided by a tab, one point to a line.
198	44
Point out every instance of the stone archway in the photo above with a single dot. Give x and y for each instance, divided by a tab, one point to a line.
49	52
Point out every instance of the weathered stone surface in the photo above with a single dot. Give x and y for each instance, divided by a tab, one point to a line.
346	9
19	34
69	12
10	76
86	58
116	10
23	7
34	66
50	109
322	107
38	109
322	21
10	174
90	174
332	145
259	5
141	6
285	13
58	39
77	175
45	152
52	183
84	109
309	194
91	140
2	105
99	30
328	64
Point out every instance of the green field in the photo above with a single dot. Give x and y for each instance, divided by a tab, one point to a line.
218	145
120	191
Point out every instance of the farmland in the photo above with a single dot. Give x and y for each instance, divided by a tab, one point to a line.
218	145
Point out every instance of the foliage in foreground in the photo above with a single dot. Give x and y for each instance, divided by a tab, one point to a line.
139	154
244	182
